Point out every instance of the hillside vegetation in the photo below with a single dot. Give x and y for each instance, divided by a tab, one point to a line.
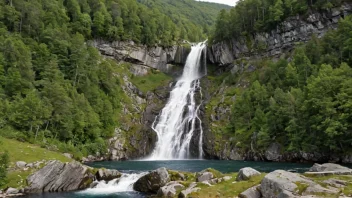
189	15
253	16
302	101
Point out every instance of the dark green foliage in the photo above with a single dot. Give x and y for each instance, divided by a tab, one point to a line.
304	104
4	164
251	16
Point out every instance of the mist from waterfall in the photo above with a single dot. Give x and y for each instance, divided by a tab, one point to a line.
179	126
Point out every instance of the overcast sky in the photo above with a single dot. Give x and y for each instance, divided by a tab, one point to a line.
228	2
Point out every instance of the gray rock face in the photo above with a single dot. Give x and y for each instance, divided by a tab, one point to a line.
253	192
273	153
21	164
12	191
246	174
107	174
204	176
170	189
154	57
285	184
153	181
328	167
57	176
283	38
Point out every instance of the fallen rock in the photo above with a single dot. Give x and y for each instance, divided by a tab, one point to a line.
204	176
21	164
335	183
246	174
11	191
57	177
328	167
227	178
192	188
170	189
281	183
68	155
107	174
151	182
253	192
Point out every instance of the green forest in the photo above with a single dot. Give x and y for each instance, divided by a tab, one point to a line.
252	16
55	88
303	102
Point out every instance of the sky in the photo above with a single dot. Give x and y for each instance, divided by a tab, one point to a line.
228	2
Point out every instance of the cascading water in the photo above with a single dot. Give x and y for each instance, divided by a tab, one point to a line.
177	123
123	184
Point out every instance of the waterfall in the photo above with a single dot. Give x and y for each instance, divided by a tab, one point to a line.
123	184
177	123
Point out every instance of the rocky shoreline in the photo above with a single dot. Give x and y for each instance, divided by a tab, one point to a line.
322	180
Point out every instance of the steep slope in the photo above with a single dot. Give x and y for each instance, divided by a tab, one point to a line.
188	14
288	100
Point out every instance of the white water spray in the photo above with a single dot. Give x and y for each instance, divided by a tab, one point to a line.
178	121
123	184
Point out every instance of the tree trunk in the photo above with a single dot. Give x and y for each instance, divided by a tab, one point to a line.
36	133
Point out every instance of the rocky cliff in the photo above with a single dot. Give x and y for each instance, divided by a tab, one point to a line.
154	57
280	40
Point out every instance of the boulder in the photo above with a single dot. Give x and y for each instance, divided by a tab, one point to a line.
227	178
152	182
328	167
57	176
281	183
30	165
68	155
107	174
11	191
246	174
192	188
170	189
204	176
253	192
21	164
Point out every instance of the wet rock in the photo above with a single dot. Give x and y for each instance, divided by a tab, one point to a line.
246	174
57	176
281	183
21	164
153	181
107	174
273	153
253	192
12	191
170	189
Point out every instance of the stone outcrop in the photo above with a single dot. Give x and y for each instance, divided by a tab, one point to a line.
154	57
170	189
57	177
281	183
107	174
329	169
153	181
253	192
204	176
280	40
246	174
192	188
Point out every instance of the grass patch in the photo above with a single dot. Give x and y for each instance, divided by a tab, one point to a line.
229	188
20	151
301	187
151	81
